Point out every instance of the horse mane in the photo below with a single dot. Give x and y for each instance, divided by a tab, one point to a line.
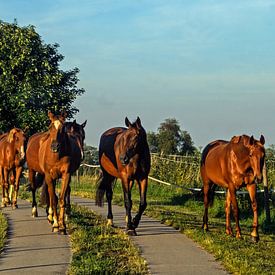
209	147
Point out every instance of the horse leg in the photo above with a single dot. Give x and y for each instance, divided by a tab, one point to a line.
52	203
3	204
109	196
235	211
33	190
228	228
68	203
252	193
66	178
18	172
12	188
206	200
142	205
6	187
127	185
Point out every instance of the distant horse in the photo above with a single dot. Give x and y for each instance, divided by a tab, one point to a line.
232	165
52	155
12	154
124	154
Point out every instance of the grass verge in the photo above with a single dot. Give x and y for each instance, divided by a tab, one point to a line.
3	230
99	249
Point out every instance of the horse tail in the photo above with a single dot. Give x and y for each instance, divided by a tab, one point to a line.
211	195
105	182
44	196
100	191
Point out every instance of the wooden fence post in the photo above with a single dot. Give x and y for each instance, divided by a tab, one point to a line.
266	194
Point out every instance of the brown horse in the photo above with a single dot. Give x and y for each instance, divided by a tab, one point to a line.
124	154
76	135
52	155
232	165
12	155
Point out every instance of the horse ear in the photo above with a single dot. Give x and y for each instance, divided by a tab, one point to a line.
127	122
251	140
11	135
84	123
138	122
63	115
74	122
50	115
262	140
235	139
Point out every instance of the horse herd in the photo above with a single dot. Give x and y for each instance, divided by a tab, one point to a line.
123	153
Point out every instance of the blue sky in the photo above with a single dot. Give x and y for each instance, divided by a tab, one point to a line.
209	64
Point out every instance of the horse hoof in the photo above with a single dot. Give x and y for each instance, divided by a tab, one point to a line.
14	206
55	229
255	239
131	232
34	215
62	232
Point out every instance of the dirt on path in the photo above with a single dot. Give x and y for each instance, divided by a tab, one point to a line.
31	247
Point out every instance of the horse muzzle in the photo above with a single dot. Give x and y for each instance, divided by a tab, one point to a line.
124	159
55	146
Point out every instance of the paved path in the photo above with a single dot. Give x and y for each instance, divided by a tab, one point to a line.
166	250
32	248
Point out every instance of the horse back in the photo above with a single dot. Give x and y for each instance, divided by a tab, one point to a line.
32	152
215	161
107	144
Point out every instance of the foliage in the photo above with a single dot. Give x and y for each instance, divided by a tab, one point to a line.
170	139
31	81
100	249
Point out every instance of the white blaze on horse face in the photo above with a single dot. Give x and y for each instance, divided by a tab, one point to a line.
57	124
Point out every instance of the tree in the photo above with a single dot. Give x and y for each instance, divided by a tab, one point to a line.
31	81
168	136
170	139
152	140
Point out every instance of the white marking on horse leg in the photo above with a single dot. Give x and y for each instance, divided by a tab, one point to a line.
110	222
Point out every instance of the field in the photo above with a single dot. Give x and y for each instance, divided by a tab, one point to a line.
179	208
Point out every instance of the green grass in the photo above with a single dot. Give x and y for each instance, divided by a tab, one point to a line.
182	210
98	249
3	230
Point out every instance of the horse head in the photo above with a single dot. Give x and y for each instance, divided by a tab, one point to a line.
256	155
18	138
56	131
77	131
132	140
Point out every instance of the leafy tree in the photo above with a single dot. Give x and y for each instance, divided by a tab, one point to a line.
152	141
168	136
31	81
170	139
186	145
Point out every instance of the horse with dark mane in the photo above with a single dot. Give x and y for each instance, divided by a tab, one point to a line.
12	154
124	154
52	155
232	165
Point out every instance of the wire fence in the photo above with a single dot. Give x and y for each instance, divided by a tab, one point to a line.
179	171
